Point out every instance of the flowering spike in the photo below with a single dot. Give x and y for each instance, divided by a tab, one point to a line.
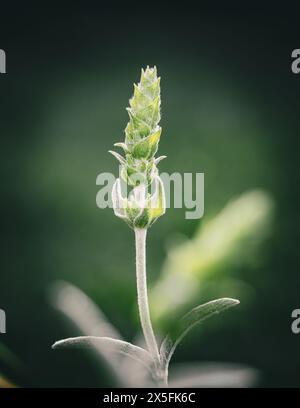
139	167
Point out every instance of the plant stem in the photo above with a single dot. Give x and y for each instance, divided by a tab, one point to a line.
143	304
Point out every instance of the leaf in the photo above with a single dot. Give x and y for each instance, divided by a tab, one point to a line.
81	310
239	227
137	375
188	321
109	344
89	320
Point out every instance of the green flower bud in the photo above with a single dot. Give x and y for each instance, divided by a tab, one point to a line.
140	209
139	166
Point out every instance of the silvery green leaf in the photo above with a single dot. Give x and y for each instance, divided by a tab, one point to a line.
137	375
188	321
88	318
110	345
81	310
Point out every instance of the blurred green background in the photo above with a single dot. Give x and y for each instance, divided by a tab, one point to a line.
230	107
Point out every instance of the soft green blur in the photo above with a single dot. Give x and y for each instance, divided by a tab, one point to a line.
225	241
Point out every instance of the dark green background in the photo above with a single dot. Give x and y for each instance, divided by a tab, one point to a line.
230	108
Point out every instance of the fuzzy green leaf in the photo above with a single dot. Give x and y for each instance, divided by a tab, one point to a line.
115	345
188	321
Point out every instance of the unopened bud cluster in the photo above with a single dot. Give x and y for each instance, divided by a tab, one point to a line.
146	201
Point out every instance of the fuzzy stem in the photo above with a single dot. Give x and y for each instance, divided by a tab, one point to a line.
143	304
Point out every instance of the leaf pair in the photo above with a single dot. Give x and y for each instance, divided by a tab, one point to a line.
67	298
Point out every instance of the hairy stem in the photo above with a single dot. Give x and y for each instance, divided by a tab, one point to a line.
143	304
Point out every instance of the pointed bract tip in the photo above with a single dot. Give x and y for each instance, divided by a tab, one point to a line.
233	301
160	158
117	156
